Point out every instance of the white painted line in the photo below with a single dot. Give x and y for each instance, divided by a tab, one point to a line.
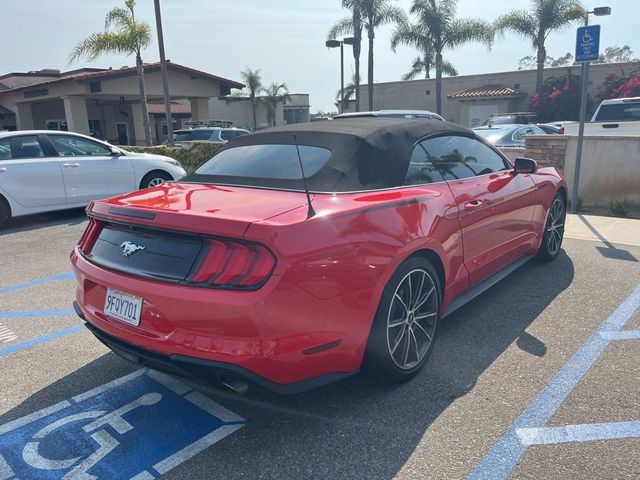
579	433
32	417
213	408
621	335
143	476
108	386
5	470
6	335
195	448
171	383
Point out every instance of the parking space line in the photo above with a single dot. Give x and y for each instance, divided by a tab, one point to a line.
32	417
579	433
40	340
107	386
37	313
503	457
39	281
6	335
621	335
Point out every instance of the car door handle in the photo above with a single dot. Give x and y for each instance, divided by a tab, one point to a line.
71	165
473	204
2	169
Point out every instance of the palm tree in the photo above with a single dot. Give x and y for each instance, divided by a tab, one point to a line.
253	80
374	13
425	63
439	28
130	38
351	24
273	95
349	91
545	17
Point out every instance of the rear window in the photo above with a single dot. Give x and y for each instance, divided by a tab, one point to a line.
278	162
620	112
229	134
193	135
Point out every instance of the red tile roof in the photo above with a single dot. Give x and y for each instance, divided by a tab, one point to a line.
176	109
80	76
490	91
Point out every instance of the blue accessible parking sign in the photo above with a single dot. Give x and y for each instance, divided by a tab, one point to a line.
137	427
588	43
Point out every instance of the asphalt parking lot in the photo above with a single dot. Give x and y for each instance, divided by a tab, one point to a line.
538	378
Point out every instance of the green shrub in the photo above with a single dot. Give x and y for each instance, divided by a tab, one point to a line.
191	156
620	208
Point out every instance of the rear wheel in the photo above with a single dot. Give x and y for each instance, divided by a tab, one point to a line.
403	331
5	213
553	230
155	178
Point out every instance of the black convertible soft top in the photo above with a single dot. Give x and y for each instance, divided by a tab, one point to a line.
367	153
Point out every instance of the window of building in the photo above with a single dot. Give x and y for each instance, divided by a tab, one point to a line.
462	157
60	125
422	169
95	129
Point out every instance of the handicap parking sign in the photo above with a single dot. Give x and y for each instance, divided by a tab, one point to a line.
137	427
588	43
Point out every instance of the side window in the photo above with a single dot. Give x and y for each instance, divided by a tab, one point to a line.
463	157
228	134
421	169
518	135
76	146
26	146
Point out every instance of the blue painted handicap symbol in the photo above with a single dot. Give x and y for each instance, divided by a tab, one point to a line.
139	426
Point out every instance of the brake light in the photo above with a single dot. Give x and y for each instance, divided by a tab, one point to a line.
90	235
234	265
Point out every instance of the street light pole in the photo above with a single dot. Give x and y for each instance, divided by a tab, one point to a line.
600	11
341	44
163	73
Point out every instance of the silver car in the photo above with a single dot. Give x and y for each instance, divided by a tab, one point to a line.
508	135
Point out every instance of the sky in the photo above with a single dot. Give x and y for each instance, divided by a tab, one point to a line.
283	38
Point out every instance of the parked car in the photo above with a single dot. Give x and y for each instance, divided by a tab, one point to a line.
302	254
511	118
508	135
208	134
425	114
618	110
49	170
550	129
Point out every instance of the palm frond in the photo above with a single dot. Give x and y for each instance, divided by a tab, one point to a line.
449	69
344	26
101	43
521	23
565	14
253	80
468	30
412	35
119	18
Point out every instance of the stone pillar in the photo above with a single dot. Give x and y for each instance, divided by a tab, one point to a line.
138	125
75	111
24	116
199	108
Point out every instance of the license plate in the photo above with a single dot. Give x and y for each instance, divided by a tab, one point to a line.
123	306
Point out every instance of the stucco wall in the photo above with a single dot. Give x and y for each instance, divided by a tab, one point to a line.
420	94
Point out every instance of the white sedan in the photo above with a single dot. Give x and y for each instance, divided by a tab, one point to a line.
47	170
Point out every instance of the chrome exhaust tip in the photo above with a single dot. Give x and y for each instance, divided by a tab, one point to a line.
235	385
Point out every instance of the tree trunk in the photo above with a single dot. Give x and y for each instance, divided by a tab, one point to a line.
253	108
357	45
143	101
542	57
371	35
439	83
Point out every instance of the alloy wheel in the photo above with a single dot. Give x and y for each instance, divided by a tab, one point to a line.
154	182
555	226
412	317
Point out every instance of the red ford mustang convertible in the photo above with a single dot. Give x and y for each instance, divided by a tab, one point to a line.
303	254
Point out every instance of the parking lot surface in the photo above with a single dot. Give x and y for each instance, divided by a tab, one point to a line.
537	378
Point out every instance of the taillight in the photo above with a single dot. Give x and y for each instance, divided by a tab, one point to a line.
90	236
234	265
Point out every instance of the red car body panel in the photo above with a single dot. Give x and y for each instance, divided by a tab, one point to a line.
331	268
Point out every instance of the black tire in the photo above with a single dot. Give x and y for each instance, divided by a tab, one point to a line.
553	230
382	359
155	178
5	213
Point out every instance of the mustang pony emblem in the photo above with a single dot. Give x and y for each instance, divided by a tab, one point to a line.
129	248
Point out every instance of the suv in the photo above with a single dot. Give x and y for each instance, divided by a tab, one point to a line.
207	134
511	118
426	114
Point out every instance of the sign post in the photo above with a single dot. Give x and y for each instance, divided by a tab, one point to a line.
587	49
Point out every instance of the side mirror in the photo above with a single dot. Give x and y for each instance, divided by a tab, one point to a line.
115	152
525	165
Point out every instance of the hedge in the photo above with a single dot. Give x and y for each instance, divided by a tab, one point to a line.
191	155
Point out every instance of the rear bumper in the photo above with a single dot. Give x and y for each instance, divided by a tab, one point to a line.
200	368
279	336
